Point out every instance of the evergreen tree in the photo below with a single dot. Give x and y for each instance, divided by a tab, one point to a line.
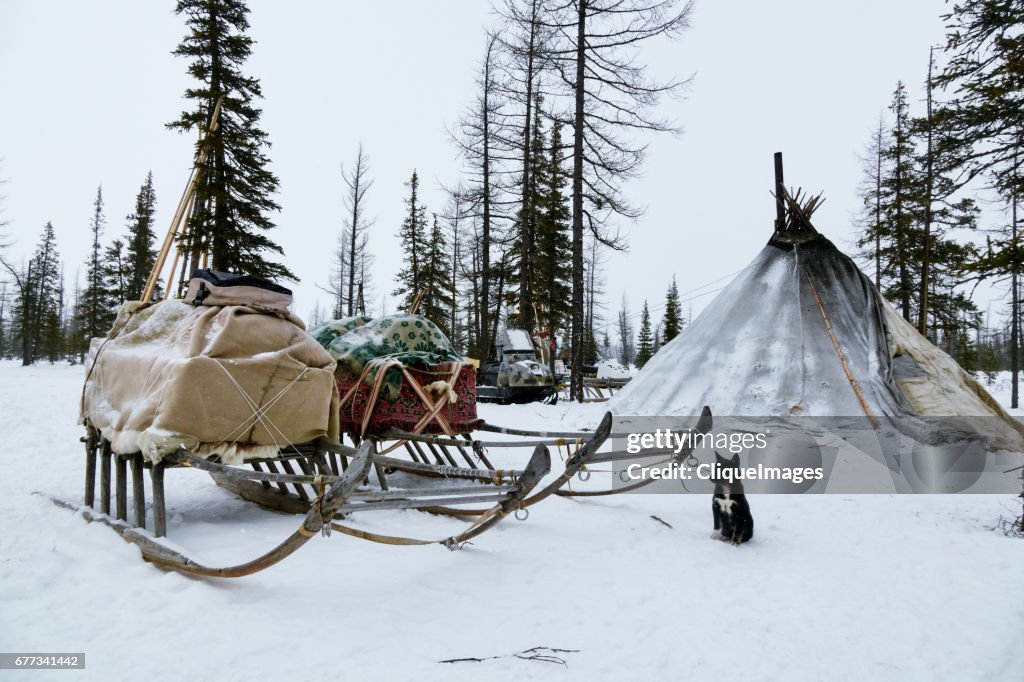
413	237
115	276
5	350
437	280
645	341
40	302
553	250
985	119
527	228
898	233
672	323
910	207
95	310
140	254
627	351
24	306
234	196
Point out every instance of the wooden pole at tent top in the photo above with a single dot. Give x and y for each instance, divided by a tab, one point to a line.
183	204
780	189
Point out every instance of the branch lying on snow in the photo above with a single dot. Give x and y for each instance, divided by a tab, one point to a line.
537	653
661	520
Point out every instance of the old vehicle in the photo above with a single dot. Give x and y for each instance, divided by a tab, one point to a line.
516	374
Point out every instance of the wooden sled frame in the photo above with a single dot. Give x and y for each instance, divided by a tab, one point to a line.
327	488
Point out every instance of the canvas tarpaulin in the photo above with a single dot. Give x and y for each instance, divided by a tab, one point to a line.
227	380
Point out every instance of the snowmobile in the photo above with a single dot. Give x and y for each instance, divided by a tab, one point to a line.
516	375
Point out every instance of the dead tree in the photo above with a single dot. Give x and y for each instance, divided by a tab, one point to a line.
596	59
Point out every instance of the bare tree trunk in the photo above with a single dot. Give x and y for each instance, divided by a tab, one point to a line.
526	226
576	359
1014	299
922	320
485	245
878	209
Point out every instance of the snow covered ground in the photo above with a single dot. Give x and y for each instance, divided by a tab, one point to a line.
832	587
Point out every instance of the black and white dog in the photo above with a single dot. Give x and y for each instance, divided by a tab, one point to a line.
729	506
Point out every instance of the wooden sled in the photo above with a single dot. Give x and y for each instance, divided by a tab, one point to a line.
325	482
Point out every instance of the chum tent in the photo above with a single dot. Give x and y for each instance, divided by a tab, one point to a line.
801	331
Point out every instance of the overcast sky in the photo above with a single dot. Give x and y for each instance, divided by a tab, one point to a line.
86	89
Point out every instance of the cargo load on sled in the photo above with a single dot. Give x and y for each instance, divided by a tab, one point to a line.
228	381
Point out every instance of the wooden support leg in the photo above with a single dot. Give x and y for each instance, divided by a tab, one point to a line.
306	469
287	465
280	486
444	451
105	477
121	479
256	467
138	491
159	505
412	453
90	468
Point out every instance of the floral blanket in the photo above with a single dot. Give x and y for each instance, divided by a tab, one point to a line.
412	339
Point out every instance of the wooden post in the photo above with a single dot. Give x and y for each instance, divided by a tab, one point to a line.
105	478
177	251
780	193
90	467
186	197
138	491
159	505
121	477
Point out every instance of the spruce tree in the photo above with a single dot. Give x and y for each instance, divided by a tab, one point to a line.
627	349
414	240
899	189
672	322
527	227
234	196
645	341
140	254
41	302
553	250
606	347
985	119
436	278
95	310
5	351
115	276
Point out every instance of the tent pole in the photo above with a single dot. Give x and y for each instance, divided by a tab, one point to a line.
780	206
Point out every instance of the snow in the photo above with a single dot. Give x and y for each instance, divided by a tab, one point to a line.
843	587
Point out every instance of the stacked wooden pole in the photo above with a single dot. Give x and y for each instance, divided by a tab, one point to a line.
185	207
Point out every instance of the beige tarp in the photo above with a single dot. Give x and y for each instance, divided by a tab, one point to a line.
225	380
944	389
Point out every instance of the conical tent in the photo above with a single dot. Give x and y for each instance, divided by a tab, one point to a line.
801	331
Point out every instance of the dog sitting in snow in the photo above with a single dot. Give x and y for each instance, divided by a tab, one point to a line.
729	506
